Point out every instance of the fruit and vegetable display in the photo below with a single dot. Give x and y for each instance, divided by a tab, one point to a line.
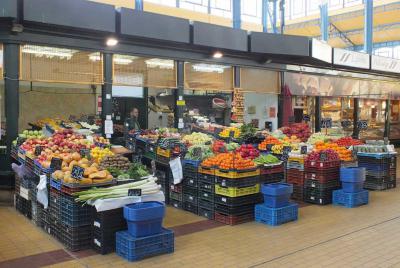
226	133
199	152
268	140
229	161
318	137
348	141
247	131
301	130
218	147
247	151
267	159
327	155
115	161
197	138
344	153
31	134
98	154
278	134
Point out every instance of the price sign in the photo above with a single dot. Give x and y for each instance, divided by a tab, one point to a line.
20	141
38	150
135	192
77	172
345	123
284	157
287	149
231	134
85	153
55	163
362	124
326	122
306	118
291	119
303	149
197	152
269	147
323	157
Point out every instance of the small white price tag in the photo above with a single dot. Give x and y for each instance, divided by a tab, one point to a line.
96	224
223	199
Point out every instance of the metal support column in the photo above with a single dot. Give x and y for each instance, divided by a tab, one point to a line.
368	25
179	92
387	119
282	10
264	14
323	8
178	3
11	87
275	16
139	5
317	114
356	131
106	89
236	13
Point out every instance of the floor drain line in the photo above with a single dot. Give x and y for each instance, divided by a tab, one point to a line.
324	242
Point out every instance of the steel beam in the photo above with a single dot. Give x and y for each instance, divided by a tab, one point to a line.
139	5
106	88
265	7
324	21
179	93
368	25
236	14
343	36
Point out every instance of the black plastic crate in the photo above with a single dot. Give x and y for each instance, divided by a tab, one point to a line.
315	196
175	196
242	182
207	187
380	186
190	181
238	201
190	171
206	204
190	198
176	203
207	213
188	206
204	195
207	178
74	214
272	178
330	185
104	239
234	210
298	193
23	206
108	219
76	238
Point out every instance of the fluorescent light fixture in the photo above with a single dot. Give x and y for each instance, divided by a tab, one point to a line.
111	42
218	55
117	59
160	63
209	68
49	52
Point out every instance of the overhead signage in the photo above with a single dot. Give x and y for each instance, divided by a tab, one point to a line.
321	50
385	64
350	58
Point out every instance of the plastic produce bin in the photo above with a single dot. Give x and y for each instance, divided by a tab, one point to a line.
145	218
353	179
276	195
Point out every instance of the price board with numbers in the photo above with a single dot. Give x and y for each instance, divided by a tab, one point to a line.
269	147
323	156
303	149
326	122
85	153
38	150
287	149
306	118
362	124
346	123
134	192
77	172
55	163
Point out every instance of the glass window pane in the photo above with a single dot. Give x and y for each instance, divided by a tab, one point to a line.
201	76
335	4
298	8
171	3
195	5
259	80
251	10
349	3
221	8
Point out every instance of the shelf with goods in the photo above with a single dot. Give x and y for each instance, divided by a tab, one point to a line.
238	108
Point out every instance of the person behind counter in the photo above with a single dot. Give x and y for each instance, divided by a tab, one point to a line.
132	123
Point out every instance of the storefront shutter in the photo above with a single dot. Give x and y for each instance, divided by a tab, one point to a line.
259	80
208	77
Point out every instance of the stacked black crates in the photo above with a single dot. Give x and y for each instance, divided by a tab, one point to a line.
190	186
105	224
320	180
380	169
206	192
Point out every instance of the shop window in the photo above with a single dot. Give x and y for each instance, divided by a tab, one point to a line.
61	65
144	72
259	80
208	77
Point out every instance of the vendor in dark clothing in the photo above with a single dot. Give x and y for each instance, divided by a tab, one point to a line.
132	123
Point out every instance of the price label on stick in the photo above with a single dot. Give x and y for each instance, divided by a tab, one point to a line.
55	163
135	192
287	149
303	149
20	141
326	122
38	150
323	156
77	172
85	153
346	123
362	124
306	118
269	147
197	153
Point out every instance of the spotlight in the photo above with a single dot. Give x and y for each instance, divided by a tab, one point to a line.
218	55
111	42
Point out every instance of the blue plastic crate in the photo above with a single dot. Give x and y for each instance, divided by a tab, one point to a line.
377	155
145	218
276	195
276	216
194	163
55	184
351	187
350	200
374	167
133	249
352	174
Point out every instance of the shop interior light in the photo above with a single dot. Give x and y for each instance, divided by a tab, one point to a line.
160	63
383	105
209	68
218	55
111	42
49	52
117	59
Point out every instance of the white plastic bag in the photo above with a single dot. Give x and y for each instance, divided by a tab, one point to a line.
176	168
42	191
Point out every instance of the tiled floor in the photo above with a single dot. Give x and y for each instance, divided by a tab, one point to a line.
325	236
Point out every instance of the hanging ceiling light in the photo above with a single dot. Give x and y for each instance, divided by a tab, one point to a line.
160	63
209	68
49	52
218	55
117	59
111	42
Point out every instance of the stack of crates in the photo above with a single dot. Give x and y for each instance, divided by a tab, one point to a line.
105	224
236	193
24	206
206	192
295	175
380	169
272	173
190	186
176	195
320	180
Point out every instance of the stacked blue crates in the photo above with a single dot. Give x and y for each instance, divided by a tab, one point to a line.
276	209
145	236
352	193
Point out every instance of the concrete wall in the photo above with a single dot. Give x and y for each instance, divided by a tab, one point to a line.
262	103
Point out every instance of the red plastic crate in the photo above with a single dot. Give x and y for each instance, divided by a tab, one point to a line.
321	165
233	220
177	188
295	180
322	177
271	170
295	173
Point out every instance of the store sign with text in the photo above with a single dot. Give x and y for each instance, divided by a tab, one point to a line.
321	51
350	58
385	64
